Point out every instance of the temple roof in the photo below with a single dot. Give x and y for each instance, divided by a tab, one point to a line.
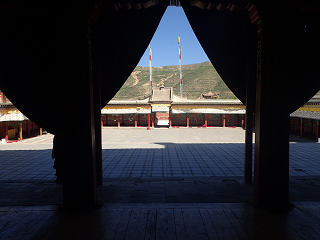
162	94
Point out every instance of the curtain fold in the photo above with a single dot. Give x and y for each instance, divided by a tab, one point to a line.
125	36
222	35
29	64
32	45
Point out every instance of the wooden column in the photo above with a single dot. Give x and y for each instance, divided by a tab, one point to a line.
40	131
271	167
318	129
242	121
78	155
205	120
251	75
6	134
136	120
152	117
20	130
170	123
96	77
148	121
224	120
301	127
28	128
187	120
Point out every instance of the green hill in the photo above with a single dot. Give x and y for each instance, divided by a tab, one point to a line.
197	79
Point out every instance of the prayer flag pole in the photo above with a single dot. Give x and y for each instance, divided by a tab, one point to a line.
150	68
181	85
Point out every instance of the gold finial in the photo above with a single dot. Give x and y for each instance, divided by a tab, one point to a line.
161	83
179	40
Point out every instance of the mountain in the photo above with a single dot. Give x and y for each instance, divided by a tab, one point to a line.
197	79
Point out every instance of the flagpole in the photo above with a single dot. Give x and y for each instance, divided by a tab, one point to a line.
150	68
181	85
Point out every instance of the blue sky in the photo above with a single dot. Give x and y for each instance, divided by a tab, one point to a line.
165	48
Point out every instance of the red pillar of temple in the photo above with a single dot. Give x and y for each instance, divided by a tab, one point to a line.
242	121
28	128
6	136
20	131
301	127
205	120
118	120
224	120
152	117
148	121
170	121
101	121
187	120
318	129
136	121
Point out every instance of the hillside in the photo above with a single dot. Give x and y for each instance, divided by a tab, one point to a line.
197	79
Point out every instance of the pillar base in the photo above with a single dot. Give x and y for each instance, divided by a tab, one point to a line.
275	209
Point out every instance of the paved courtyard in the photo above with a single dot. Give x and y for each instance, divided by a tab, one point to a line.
137	152
155	166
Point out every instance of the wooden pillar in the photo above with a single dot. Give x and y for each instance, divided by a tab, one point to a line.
242	121
317	131
40	131
251	75
170	123
148	121
271	167
6	134
28	128
96	85
78	157
20	130
301	127
152	117
205	120
224	120
118	120
187	119
136	120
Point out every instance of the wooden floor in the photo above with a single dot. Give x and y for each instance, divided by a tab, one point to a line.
161	221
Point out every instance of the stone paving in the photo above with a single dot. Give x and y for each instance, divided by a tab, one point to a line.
179	165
